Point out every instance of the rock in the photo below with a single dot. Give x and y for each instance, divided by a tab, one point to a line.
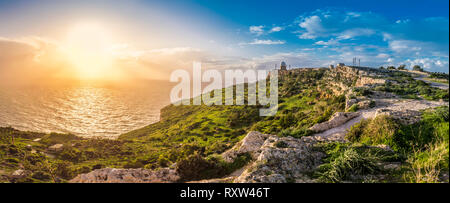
20	173
349	103
37	140
444	177
363	81
112	175
289	163
385	147
251	143
56	147
404	116
392	166
383	112
364	104
336	120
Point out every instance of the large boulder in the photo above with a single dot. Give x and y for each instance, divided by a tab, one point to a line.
250	144
283	159
113	175
336	120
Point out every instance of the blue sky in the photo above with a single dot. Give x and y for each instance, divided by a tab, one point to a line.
258	34
378	32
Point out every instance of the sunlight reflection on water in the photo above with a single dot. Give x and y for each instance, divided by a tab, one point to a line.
82	110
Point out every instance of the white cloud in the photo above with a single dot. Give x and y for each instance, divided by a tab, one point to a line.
258	30
355	32
263	42
276	29
313	26
328	43
382	55
426	63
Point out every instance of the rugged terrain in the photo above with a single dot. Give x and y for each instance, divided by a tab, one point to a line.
344	124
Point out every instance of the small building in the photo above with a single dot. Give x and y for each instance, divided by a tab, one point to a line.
331	66
283	66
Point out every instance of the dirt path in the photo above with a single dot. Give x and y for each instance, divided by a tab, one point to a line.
433	84
390	104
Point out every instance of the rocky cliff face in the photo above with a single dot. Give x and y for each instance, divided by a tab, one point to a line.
341	79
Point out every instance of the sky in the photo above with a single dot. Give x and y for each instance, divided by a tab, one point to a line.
150	39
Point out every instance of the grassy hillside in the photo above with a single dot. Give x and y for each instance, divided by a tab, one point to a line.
200	133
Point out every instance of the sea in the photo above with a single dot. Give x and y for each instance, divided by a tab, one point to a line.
83	109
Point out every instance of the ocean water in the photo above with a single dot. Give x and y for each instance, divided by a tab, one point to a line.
83	109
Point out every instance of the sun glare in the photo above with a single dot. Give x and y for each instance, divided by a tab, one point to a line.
87	47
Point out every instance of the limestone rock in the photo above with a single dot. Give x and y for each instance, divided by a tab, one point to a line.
56	147
251	143
404	116
336	120
20	173
349	103
112	175
364	104
392	166
287	163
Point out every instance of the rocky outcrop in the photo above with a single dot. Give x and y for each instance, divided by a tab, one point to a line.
251	144
405	116
336	120
20	173
363	81
56	147
112	175
365	104
282	159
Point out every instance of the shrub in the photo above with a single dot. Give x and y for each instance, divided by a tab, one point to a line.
353	108
426	165
355	132
71	154
380	130
372	104
417	68
348	163
281	144
63	170
296	133
40	175
163	161
196	167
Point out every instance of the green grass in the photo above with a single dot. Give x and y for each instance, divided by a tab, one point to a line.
206	131
424	144
409	88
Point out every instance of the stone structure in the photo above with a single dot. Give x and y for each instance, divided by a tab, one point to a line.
283	66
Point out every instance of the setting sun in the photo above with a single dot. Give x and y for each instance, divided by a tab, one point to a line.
87	47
